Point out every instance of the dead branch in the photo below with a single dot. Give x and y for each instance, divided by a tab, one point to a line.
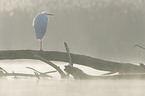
40	72
92	62
5	73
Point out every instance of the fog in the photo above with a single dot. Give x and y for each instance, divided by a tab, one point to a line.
106	29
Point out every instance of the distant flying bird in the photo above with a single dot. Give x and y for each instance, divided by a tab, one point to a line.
40	26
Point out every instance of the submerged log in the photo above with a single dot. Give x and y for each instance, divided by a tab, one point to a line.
4	73
76	59
79	74
22	74
62	74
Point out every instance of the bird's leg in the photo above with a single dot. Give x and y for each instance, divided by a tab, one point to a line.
40	45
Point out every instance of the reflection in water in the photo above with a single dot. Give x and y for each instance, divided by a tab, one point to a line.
72	88
34	87
19	66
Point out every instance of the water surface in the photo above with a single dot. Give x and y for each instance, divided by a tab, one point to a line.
26	86
33	87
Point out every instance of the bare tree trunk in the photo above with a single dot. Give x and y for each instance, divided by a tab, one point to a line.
76	59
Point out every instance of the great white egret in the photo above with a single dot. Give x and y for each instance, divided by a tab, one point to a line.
40	26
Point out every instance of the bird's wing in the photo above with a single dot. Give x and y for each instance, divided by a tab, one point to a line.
40	25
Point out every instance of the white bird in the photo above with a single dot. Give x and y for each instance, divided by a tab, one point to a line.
40	26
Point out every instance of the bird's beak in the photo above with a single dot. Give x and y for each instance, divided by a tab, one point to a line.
50	14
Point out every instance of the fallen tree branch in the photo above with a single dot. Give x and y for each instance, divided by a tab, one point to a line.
3	70
63	75
76	59
41	72
139	47
5	73
22	74
79	74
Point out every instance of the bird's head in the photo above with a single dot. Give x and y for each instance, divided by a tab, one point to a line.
46	13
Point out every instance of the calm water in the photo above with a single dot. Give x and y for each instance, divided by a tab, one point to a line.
24	86
33	87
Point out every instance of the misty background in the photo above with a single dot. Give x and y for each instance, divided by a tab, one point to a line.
105	29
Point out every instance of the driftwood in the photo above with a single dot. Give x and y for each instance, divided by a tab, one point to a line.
79	74
63	75
38	74
76	59
22	74
44	73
